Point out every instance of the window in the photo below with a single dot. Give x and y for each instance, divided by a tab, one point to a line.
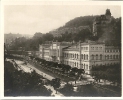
107	56
118	56
86	66
96	57
113	56
75	63
100	48
77	56
101	57
86	48
110	56
82	56
87	57
92	57
91	48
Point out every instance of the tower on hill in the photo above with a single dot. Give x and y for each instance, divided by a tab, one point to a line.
101	20
108	14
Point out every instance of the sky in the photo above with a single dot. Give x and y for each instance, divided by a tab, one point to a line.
29	19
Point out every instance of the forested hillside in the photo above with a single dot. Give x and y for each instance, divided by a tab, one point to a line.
80	21
109	33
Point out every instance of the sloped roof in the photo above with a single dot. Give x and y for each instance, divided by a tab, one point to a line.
74	47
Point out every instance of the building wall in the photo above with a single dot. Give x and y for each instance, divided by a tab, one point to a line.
71	57
112	56
82	56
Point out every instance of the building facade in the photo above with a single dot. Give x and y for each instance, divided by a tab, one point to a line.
80	55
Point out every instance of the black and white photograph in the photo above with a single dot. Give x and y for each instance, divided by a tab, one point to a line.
62	49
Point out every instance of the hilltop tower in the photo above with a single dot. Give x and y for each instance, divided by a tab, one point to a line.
101	20
108	14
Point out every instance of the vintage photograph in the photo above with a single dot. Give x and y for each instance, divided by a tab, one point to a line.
62	50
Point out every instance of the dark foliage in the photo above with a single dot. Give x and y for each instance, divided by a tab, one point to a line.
87	90
19	83
110	72
80	21
67	90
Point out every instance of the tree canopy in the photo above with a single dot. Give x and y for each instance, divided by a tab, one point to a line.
19	83
109	72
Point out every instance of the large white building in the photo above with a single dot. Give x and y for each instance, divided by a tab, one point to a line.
80	55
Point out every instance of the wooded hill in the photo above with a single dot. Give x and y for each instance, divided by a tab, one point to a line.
110	34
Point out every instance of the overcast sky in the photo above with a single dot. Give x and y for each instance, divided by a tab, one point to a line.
25	19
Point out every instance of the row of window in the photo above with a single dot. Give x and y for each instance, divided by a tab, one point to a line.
105	64
68	55
96	57
111	50
92	48
84	56
112	56
99	57
75	64
85	66
96	48
84	48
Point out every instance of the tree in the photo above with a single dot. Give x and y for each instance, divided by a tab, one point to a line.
110	72
55	83
67	90
87	90
19	83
